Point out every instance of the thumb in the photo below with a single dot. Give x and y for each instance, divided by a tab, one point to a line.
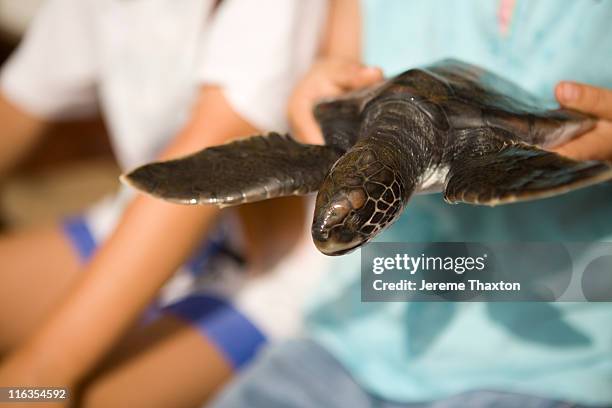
350	76
585	98
366	76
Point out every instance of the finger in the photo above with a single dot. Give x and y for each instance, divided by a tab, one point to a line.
366	76
307	127
594	145
340	72
304	127
351	76
585	98
310	132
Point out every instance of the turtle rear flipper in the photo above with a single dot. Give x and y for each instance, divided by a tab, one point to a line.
519	172
482	98
247	170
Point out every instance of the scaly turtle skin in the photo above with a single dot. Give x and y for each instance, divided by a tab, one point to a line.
449	127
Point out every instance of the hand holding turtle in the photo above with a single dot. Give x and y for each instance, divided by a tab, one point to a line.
596	144
328	78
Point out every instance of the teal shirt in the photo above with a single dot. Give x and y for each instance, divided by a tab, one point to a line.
426	351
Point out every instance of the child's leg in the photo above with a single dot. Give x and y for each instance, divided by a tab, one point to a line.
37	267
182	362
165	364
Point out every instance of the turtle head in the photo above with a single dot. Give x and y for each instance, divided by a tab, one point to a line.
359	197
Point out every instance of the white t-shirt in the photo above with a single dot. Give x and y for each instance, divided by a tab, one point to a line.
141	62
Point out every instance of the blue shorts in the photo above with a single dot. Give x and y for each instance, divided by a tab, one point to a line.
212	314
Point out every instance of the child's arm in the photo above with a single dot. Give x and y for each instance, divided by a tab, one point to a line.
152	240
19	132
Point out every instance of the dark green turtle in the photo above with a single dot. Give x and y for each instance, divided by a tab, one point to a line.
449	127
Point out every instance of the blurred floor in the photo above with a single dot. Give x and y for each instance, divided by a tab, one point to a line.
30	198
71	168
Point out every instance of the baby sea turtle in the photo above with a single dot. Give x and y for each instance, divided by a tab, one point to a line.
450	127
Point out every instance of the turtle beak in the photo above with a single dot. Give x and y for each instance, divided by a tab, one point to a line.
332	247
329	233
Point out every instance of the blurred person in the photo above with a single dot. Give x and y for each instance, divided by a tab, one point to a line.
169	78
445	354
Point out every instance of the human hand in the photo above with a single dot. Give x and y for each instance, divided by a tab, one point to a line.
327	78
597	143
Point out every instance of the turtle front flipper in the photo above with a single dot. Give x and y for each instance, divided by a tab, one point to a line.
519	172
247	170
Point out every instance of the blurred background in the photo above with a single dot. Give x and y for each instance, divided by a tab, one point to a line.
62	177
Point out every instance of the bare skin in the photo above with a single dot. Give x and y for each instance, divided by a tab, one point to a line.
25	277
337	70
114	289
31	284
20	132
597	144
166	364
